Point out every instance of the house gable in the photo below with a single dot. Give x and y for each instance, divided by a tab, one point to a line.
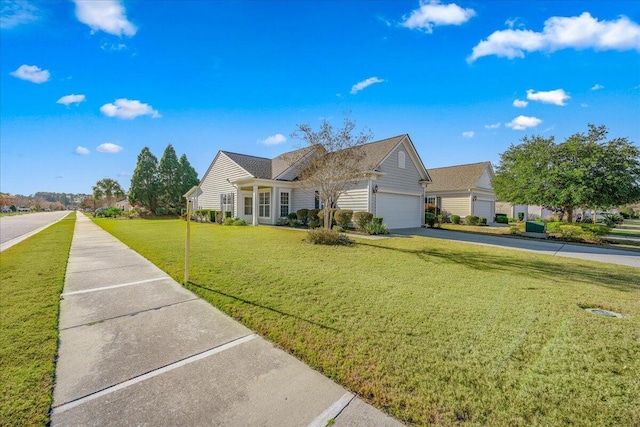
217	180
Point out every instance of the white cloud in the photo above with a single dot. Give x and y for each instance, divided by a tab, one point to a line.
576	32
468	134
597	86
364	84
14	13
492	126
31	73
555	97
518	103
83	151
71	99
523	122
432	14
105	15
128	109
108	147
276	139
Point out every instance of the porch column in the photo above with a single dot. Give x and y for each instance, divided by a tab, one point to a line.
255	205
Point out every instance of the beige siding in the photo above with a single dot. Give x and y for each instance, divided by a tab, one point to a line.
356	199
405	180
456	204
302	199
215	183
485	181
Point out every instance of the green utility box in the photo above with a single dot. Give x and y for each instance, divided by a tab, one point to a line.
534	227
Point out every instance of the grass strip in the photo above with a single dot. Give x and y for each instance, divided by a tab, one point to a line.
431	331
31	280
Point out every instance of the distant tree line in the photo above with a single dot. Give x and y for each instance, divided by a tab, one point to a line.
43	200
159	186
586	170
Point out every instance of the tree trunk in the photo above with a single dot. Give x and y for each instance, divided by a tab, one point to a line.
327	216
569	214
595	220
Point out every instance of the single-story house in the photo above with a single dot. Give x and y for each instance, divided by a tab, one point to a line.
463	190
123	205
262	190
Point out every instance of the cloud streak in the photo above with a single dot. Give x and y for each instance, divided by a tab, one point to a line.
364	84
555	97
276	139
576	32
108	147
108	16
71	99
15	13
31	73
523	122
128	109
81	151
432	14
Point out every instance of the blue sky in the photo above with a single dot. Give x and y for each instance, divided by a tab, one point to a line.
85	85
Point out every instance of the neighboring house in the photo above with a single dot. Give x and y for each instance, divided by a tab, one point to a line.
123	205
530	211
262	190
512	211
463	190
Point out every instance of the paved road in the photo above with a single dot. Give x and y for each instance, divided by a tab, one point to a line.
136	348
590	253
14	229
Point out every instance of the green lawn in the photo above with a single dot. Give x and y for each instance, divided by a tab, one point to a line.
630	227
428	330
31	280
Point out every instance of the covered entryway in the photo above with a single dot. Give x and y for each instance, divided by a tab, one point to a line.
399	210
484	209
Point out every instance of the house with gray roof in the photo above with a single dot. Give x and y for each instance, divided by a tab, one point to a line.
463	190
262	190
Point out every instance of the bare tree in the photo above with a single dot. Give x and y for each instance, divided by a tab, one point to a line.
333	165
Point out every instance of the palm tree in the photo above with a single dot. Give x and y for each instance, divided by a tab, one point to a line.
108	188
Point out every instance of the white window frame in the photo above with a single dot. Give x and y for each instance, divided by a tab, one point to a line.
264	204
287	204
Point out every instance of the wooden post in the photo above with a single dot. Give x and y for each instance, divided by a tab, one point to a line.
187	243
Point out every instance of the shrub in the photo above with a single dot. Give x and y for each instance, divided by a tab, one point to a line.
571	232
513	229
520	216
239	222
362	219
501	218
343	217
627	212
323	236
430	219
212	216
162	211
471	220
482	221
314	224
376	220
595	229
228	221
337	228
292	216
455	219
612	219
442	219
374	228
303	215
313	215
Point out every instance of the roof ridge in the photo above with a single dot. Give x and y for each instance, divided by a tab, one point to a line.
245	155
466	164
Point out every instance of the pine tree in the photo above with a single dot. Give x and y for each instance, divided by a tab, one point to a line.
145	186
170	179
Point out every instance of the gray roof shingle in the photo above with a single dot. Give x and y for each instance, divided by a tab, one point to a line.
460	177
259	167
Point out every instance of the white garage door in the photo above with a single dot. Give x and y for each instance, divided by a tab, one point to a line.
483	209
399	211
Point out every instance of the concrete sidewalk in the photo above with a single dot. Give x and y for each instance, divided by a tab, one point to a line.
136	348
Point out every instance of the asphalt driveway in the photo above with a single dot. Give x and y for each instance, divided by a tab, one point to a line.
585	252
